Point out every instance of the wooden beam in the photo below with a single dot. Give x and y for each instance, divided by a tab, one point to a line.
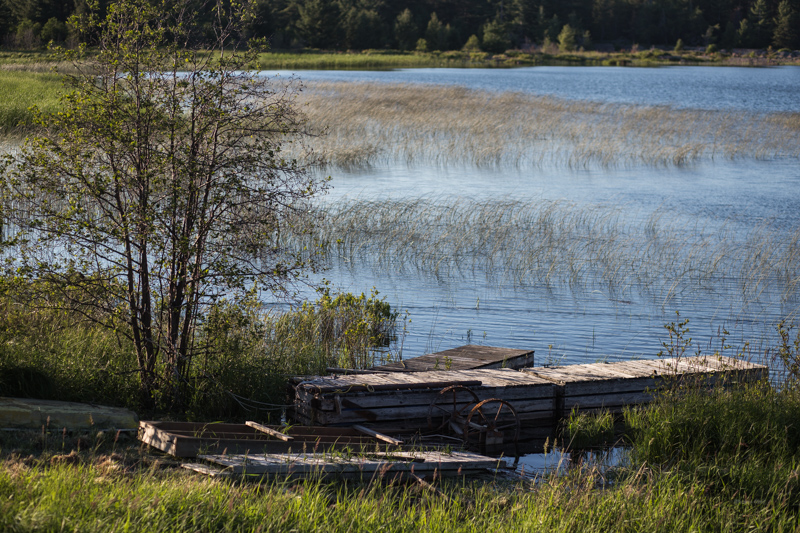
269	431
380	436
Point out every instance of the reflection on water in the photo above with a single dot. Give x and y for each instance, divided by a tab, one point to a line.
560	461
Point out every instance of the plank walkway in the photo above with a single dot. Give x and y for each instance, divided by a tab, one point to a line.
466	357
387	465
540	395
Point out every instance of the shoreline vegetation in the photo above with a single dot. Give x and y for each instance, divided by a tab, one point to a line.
317	59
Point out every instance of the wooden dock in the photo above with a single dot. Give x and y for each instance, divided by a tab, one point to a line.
612	386
539	396
188	439
467	357
367	466
402	401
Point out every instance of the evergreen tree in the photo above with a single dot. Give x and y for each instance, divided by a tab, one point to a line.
552	30
495	37
761	24
744	35
319	23
405	30
473	44
567	39
787	27
434	33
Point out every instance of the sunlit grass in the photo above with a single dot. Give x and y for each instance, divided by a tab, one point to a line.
368	59
20	90
725	461
370	124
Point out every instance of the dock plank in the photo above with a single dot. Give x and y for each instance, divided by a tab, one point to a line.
467	357
427	462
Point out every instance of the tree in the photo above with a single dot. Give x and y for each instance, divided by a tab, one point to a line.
54	30
435	34
787	27
405	30
319	23
495	37
363	28
761	23
160	186
566	39
473	44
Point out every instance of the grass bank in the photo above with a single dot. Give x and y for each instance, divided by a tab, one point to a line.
388	59
21	90
721	462
305	59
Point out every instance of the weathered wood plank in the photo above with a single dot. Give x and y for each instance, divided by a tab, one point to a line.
377	435
191	439
385	414
462	358
269	431
454	463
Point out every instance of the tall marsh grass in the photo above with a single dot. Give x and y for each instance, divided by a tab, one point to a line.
557	243
245	355
370	123
20	90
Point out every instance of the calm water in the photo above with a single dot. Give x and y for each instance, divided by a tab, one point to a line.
774	89
560	323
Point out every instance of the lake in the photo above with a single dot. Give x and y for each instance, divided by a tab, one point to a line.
732	203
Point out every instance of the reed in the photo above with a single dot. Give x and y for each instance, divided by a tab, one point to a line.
537	243
370	124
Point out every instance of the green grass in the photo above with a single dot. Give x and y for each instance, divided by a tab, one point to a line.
20	91
241	372
700	479
368	59
719	460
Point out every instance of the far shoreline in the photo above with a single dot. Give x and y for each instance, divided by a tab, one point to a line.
313	59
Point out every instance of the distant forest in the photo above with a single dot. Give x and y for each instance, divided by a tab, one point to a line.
488	25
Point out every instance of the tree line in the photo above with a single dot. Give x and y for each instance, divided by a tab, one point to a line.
488	25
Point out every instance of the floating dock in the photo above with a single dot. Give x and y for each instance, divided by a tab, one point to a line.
535	397
27	413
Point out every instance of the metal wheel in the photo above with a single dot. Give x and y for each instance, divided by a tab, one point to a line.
450	404
492	422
